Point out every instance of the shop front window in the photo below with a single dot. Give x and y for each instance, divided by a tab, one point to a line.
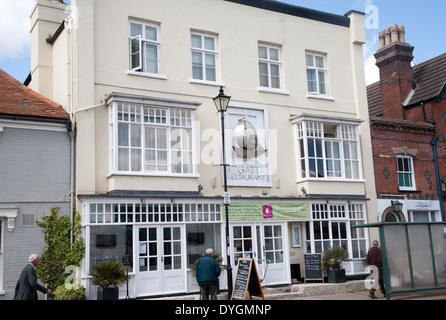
201	236
332	225
111	242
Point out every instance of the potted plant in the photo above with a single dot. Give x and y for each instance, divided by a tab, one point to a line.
108	275
216	256
333	257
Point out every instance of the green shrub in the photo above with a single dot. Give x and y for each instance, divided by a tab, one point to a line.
76	293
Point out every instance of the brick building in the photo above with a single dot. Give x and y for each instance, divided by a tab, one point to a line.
35	174
408	127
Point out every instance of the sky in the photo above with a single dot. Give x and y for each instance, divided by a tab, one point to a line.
423	21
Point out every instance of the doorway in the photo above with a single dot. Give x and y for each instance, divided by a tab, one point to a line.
267	244
161	264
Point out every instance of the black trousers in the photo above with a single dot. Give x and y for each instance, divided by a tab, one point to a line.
208	291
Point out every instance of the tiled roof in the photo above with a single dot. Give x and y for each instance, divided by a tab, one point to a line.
430	80
17	99
374	99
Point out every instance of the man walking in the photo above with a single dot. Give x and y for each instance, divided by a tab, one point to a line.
207	273
374	258
27	286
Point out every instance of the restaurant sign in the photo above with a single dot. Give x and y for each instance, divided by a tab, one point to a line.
258	211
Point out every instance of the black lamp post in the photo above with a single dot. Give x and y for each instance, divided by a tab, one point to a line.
221	102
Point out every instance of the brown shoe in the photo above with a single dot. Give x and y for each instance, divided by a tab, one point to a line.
373	296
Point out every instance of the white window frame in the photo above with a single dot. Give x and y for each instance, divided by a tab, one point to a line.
317	70
309	129
410	172
142	40
141	105
432	215
203	52
332	214
269	62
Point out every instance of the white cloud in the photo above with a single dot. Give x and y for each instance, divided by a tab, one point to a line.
369	49
14	27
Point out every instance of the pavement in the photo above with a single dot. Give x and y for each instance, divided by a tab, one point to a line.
350	290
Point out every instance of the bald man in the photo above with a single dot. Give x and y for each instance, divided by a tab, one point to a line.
27	286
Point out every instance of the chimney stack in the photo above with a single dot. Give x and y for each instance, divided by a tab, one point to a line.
394	62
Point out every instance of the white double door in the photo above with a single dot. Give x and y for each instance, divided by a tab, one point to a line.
267	243
161	264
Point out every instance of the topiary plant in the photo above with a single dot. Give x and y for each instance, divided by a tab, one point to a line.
108	274
333	257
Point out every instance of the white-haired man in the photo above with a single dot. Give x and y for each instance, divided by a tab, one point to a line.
207	274
27	285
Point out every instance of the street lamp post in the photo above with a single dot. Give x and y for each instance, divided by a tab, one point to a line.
221	102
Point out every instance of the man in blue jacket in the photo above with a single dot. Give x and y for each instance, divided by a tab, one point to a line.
207	273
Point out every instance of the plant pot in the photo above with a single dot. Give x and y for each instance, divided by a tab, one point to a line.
336	276
108	293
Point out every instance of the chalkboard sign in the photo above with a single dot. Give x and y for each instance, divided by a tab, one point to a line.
313	266
247	280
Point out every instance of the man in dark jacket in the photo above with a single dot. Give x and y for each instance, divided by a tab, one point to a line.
207	274
27	286
374	258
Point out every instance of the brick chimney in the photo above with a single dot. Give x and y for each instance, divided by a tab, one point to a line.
394	62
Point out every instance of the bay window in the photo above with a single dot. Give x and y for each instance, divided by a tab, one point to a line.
151	138
327	149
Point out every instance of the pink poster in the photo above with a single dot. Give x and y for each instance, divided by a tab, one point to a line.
267	211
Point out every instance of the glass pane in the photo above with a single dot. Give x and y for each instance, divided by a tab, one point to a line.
123	134
277	231
263	52
278	244
268	231
247	232
136	160
421	256
167	234
176	233
143	264
237	231
167	248
210	60
177	263
167	263
274	54
269	244
279	256
275	70
177	248
123	159
319	62
142	234
152	249
209	43
151	33
135	135
135	29
152	234
309	60
153	264
196	41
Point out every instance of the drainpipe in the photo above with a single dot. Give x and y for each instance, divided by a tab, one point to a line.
72	134
434	148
